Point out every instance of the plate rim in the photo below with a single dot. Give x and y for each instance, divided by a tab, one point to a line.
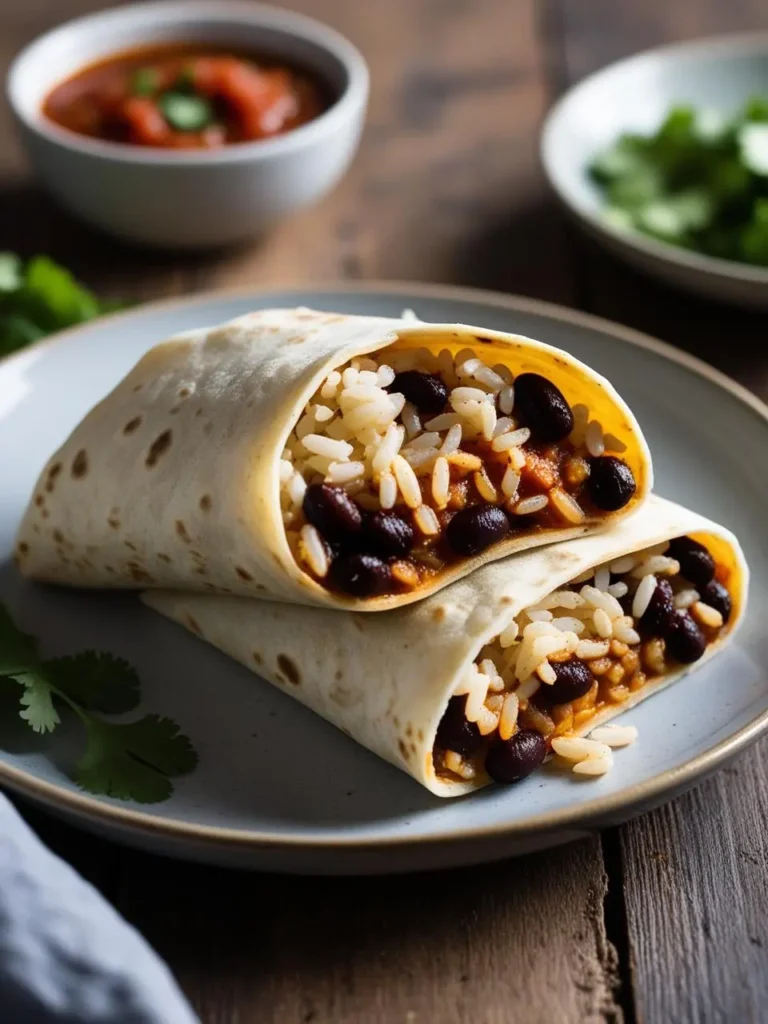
109	815
698	263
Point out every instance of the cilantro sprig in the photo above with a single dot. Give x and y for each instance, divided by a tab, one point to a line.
127	760
39	298
700	182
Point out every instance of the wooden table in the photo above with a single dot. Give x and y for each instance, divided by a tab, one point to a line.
664	920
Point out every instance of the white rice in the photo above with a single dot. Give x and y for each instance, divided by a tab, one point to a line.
511	439
407	482
528	506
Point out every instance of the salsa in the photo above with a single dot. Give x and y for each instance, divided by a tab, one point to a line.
185	97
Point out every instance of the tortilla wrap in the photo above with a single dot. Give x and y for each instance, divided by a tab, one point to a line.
386	680
173	479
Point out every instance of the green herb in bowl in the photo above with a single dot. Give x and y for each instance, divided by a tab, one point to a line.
700	182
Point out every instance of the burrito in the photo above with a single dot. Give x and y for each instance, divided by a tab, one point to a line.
484	680
346	461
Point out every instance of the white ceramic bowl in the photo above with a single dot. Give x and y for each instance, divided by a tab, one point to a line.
634	95
197	198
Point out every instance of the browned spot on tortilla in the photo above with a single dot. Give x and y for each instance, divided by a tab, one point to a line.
290	669
45	513
199	412
53	472
138	387
482	340
182	531
420	735
277	561
184	393
39	500
58	536
158	447
339	674
164	558
138	574
114	523
280	679
35	528
80	464
409	730
404	750
506	600
205	502
396	720
130	546
23	548
109	569
260	586
200	570
132	425
250	403
243	573
208	428
193	624
83	563
438	614
413	747
257	658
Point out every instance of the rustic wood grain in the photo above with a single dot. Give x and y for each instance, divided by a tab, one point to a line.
518	941
696	888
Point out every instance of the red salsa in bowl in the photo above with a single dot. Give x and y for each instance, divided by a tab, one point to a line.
185	97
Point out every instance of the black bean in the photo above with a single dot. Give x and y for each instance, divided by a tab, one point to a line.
473	529
424	390
361	575
455	732
610	483
685	641
332	511
657	617
716	596
573	680
513	759
696	563
387	535
540	405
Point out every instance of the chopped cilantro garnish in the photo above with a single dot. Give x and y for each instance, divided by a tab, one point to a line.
145	81
38	299
700	182
185	112
125	760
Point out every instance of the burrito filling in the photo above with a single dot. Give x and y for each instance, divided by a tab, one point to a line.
404	463
582	650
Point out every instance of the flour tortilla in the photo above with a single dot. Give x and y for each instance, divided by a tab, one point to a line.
173	479
386	679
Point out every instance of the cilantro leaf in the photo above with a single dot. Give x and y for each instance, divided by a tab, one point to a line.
129	761
18	650
134	761
96	680
10	272
40	298
37	702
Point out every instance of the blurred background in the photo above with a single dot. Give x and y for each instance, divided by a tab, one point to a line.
447	184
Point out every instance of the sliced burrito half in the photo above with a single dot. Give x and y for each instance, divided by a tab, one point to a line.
484	680
335	460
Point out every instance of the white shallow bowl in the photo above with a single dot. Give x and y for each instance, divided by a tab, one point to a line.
196	198
279	789
634	95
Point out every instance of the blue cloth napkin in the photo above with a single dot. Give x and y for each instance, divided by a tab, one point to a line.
66	956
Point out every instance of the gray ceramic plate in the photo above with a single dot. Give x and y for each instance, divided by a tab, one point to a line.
634	95
277	788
